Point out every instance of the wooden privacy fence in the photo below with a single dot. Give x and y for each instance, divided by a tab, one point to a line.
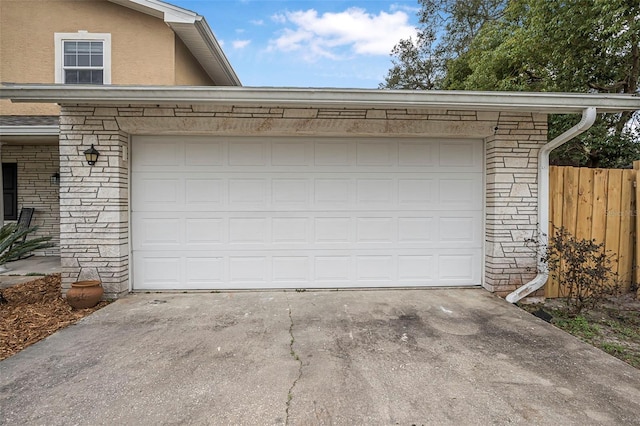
598	204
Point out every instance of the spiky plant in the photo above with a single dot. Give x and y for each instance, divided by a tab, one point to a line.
13	247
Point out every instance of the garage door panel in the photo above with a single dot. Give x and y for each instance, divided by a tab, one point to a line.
206	153
290	193
376	230
291	154
416	268
247	153
204	231
460	193
203	191
459	154
348	230
457	267
201	272
158	233
154	153
293	213
376	154
417	154
375	268
417	193
332	193
247	230
375	192
291	230
247	269
296	269
248	193
293	269
332	153
207	191
159	272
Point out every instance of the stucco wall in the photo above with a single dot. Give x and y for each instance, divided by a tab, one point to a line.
36	164
189	72
95	200
143	49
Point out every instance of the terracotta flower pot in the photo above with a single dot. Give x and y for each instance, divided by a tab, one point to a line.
85	294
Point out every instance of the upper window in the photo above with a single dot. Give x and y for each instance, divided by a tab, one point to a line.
83	58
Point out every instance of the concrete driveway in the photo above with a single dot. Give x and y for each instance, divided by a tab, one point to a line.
406	357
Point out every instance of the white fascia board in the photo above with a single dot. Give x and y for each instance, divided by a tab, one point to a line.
552	103
29	130
224	74
160	9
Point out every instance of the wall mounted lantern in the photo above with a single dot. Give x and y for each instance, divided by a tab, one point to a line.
91	155
55	179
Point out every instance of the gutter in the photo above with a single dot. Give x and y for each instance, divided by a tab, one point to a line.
588	118
550	103
30	130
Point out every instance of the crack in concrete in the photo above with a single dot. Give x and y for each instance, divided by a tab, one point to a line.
296	357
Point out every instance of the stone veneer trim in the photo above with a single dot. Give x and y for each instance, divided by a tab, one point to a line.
95	200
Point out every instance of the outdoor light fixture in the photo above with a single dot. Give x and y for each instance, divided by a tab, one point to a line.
91	155
55	179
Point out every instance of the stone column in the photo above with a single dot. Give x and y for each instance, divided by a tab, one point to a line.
94	200
511	200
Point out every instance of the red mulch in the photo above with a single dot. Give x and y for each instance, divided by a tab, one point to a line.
35	310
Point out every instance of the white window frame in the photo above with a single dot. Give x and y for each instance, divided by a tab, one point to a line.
60	38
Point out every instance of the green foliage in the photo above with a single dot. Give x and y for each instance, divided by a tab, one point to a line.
11	245
588	46
582	269
446	30
578	325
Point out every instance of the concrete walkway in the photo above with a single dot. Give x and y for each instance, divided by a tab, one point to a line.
404	357
31	268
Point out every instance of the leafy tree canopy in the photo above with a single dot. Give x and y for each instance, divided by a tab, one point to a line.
534	45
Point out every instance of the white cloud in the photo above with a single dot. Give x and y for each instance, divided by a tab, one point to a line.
279	18
240	44
327	35
257	22
405	8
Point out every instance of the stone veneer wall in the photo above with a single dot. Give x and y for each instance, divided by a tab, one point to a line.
511	200
36	164
95	200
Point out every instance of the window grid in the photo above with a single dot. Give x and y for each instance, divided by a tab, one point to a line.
83	62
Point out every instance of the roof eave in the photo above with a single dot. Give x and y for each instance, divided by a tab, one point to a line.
553	103
199	37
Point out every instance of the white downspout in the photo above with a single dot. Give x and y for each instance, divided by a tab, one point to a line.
588	118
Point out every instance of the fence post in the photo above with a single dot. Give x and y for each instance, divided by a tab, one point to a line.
636	264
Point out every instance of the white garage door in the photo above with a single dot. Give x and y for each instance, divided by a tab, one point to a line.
238	213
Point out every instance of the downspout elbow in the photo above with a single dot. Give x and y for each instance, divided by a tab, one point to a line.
588	118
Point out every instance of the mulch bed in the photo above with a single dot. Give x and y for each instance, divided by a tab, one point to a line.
35	310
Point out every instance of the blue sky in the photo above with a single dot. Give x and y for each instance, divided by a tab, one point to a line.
312	43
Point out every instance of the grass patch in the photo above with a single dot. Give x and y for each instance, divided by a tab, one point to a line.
613	327
578	326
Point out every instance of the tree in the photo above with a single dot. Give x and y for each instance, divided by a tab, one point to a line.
552	45
446	30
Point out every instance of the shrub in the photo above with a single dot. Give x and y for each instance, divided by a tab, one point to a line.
582	269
